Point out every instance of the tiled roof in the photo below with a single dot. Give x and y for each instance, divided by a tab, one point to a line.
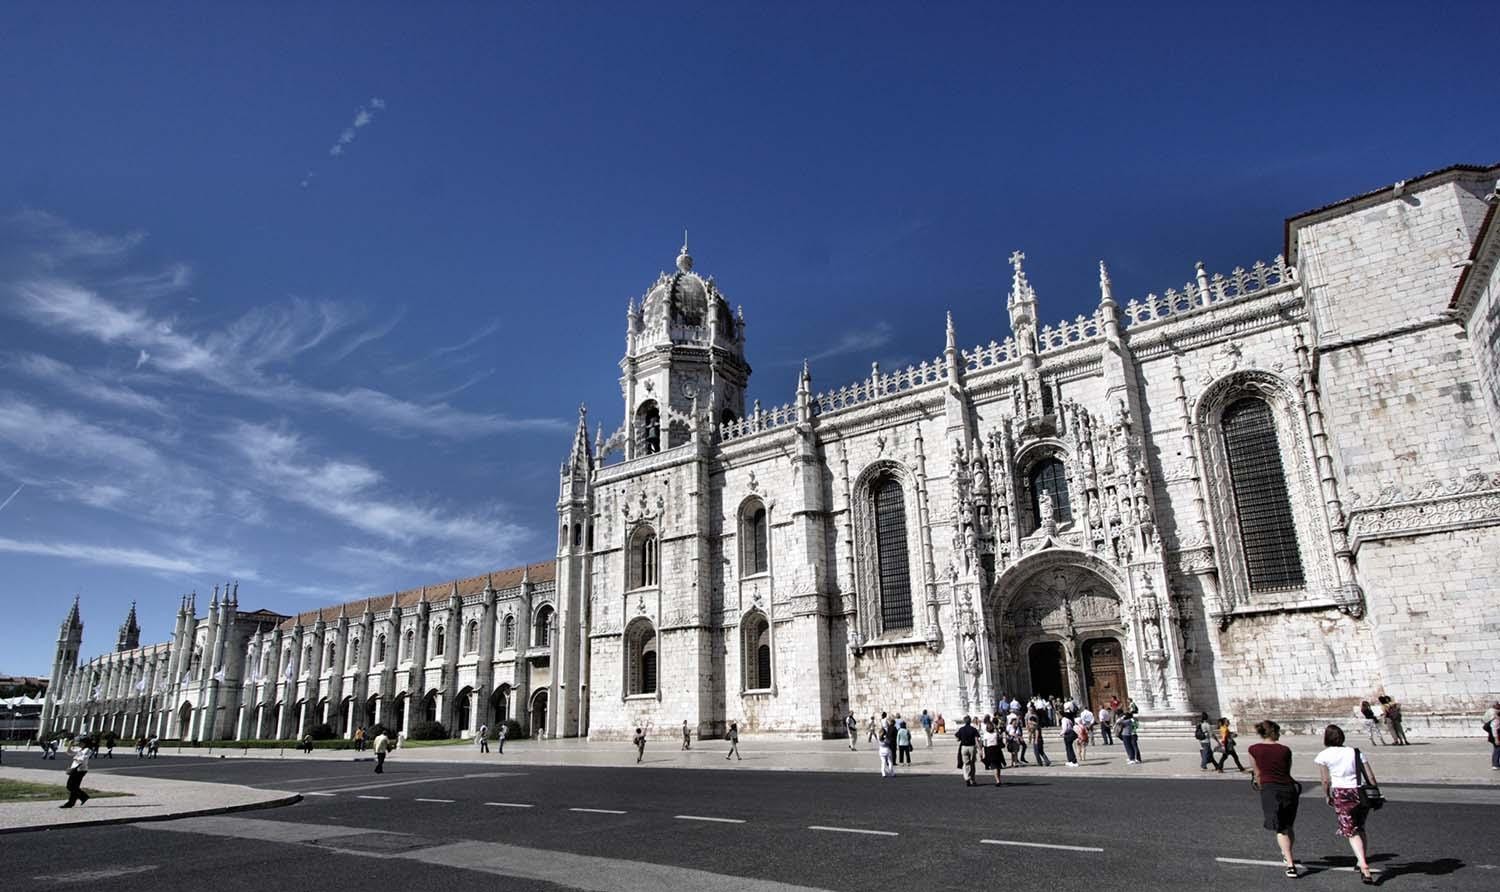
437	592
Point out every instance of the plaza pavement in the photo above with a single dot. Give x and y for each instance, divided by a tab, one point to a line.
149	799
1451	761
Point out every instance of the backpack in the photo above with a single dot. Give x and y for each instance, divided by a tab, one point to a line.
1199	733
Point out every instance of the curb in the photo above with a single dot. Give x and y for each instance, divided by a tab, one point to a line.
198	813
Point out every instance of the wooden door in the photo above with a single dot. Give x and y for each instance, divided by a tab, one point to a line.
1104	671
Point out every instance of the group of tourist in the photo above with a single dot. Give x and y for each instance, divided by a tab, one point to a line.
1381	720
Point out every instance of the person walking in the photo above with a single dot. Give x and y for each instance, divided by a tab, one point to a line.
359	739
140	747
484	738
1366	717
1204	732
903	744
968	738
687	735
1492	731
1128	727
851	725
500	738
994	752
154	746
81	751
109	745
941	725
1081	745
1224	737
886	738
1106	718
1034	737
927	727
1342	769
1069	736
1271	774
734	741
870	729
382	749
1010	736
640	745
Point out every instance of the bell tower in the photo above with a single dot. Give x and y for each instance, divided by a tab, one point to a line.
683	348
64	662
130	633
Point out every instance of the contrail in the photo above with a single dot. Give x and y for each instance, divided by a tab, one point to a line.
12	496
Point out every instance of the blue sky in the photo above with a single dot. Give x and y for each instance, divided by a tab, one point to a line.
307	296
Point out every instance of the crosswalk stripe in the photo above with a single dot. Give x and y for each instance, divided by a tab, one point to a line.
853	830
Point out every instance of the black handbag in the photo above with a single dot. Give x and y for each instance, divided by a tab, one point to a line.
1369	794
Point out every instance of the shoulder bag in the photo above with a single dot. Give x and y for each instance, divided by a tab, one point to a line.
1369	794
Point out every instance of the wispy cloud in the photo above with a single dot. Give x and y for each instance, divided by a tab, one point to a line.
348	491
10	498
65	377
438	353
365	337
57	241
181	564
364	116
860	340
241	359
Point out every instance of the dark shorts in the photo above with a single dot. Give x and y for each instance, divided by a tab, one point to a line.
1278	802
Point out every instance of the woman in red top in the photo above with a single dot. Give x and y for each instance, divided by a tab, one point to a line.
1279	793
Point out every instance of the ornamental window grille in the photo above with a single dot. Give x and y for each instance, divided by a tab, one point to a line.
542	628
642	663
1263	507
754	530
509	639
1050	475
892	555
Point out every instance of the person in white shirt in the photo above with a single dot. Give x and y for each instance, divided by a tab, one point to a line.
1340	772
382	748
81	751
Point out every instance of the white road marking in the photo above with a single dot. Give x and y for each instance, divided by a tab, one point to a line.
1254	863
91	876
317	794
511	804
379	785
598	811
854	830
1039	845
445	801
374	797
712	820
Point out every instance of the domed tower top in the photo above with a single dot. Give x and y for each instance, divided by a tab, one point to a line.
683	345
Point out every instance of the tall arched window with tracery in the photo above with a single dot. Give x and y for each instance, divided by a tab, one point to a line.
755	554
1050	475
471	637
640	659
756	648
509	637
353	652
1262	504
380	648
542	627
407	643
893	557
644	559
438	641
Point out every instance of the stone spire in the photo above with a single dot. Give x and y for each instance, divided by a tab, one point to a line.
1022	306
684	259
130	633
581	460
73	621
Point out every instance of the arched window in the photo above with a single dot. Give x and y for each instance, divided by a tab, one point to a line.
471	644
577	534
892	555
648	427
307	660
380	648
1050	475
332	655
353	652
757	653
641	659
1261	502
438	641
754	545
542	628
643	559
406	644
510	632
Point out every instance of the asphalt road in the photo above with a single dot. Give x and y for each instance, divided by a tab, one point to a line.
547	827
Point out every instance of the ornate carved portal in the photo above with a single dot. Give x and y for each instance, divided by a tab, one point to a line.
1061	633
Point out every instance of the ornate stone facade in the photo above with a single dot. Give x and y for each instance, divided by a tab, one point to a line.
1269	492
